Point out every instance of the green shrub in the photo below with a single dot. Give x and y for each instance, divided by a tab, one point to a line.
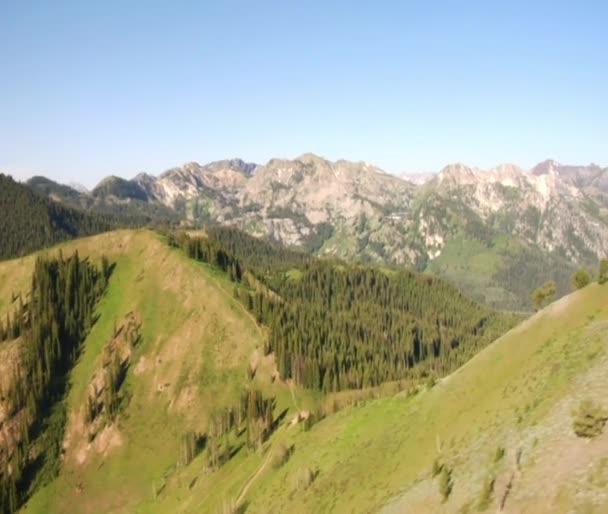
581	278
437	467
603	274
281	455
589	419
304	478
446	483
544	295
486	493
500	453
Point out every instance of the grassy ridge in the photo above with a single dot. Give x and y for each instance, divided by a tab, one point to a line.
197	342
185	371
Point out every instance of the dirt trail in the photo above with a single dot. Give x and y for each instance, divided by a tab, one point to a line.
253	478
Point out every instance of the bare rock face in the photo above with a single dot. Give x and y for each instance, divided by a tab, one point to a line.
289	200
354	210
191	180
93	426
587	177
545	209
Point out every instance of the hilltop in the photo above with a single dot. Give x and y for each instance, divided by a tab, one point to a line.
196	344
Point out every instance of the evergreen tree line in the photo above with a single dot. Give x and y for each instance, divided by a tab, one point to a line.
526	267
52	325
257	255
337	326
233	251
351	327
252	417
31	221
208	250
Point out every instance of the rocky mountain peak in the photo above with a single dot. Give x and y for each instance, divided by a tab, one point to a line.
77	186
457	174
507	175
236	164
590	176
311	158
355	210
508	169
144	178
545	167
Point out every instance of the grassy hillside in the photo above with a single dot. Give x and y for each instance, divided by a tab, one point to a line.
197	343
502	273
516	394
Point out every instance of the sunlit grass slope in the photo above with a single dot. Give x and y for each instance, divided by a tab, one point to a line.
516	394
197	342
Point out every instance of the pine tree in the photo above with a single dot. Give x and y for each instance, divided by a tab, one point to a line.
52	325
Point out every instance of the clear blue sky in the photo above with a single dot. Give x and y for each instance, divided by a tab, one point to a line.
93	88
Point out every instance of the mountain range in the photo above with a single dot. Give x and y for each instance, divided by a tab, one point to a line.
495	233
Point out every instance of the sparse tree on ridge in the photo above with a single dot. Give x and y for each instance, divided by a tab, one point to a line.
445	483
603	274
544	295
581	278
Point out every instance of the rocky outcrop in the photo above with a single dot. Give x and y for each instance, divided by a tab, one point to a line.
355	210
93	426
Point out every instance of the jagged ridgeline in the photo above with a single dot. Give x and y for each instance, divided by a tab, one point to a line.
43	336
336	326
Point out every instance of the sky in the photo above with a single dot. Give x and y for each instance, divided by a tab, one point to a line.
89	89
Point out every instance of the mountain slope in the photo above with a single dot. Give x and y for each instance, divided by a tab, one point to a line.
500	233
31	221
123	201
119	188
480	229
196	343
517	394
172	349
